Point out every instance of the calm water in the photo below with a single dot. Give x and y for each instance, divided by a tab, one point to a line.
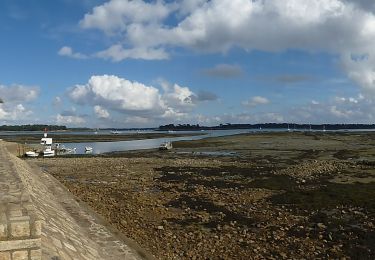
105	147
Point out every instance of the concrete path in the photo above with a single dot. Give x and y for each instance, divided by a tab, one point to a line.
69	230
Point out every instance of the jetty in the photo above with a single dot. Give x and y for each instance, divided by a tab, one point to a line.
41	219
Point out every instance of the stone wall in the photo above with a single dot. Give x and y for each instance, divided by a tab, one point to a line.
20	227
41	219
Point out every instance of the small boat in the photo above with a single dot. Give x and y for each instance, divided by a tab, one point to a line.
166	146
48	153
115	132
31	154
47	143
88	149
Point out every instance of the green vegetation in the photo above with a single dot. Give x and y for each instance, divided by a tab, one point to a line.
32	127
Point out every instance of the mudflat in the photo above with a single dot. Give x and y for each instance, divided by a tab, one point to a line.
266	195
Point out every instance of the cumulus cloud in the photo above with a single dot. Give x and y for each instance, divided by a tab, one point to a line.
11	112
117	15
57	101
338	109
119	94
3	113
70	120
118	53
143	29
101	112
111	93
223	71
68	52
256	101
18	93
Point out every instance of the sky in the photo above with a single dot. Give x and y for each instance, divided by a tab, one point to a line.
136	63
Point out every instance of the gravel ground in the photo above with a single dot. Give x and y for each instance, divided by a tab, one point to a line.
280	196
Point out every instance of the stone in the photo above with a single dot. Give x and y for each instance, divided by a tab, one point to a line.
36	230
20	229
3	231
15	213
36	254
20	255
321	226
5	256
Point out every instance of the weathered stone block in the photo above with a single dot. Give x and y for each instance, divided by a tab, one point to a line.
3	231
20	255
5	256
36	229
20	229
36	254
15	213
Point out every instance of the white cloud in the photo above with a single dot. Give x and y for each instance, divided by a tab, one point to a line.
18	93
256	101
119	94
101	112
13	113
3	114
108	92
70	120
118	53
143	30
117	15
68	52
179	97
57	101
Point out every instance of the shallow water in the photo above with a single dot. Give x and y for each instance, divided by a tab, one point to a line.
106	147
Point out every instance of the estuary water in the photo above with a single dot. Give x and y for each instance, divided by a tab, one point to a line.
106	147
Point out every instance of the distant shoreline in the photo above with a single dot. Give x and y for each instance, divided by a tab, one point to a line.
291	127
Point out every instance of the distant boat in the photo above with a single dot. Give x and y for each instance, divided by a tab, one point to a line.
115	132
324	128
288	128
166	146
47	143
32	154
88	149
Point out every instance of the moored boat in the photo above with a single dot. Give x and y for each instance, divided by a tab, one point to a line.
166	146
31	154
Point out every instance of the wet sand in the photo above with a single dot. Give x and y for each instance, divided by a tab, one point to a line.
271	195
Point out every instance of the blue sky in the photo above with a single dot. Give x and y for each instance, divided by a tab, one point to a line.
121	63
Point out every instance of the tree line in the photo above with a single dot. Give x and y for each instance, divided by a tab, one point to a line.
32	127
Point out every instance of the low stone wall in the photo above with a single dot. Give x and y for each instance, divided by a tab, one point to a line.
20	227
40	219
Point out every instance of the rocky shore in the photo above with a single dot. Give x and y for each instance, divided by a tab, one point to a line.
281	196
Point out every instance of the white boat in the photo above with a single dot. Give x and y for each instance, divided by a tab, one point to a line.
47	143
88	149
166	146
115	132
31	154
48	153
